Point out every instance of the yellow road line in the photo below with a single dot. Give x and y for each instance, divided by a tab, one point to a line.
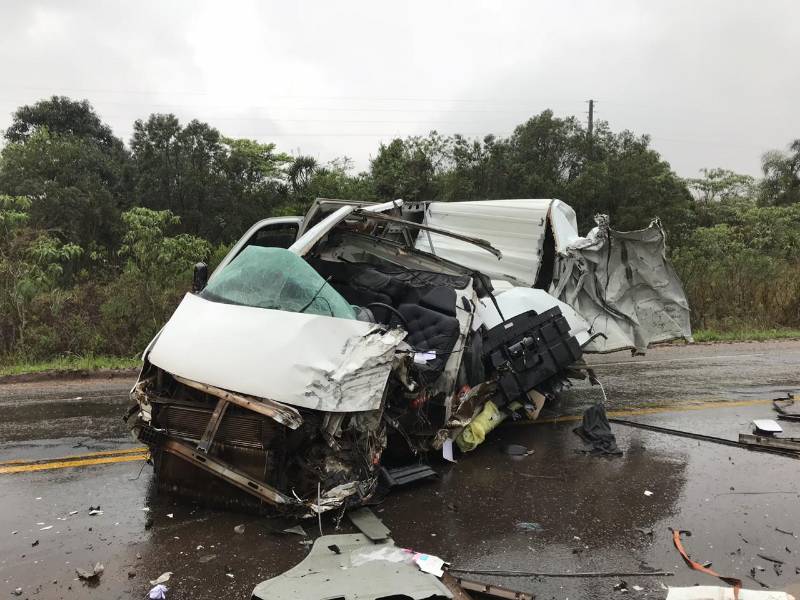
66	464
133	454
137	450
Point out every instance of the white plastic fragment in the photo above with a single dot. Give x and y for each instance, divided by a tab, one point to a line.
45	528
648	493
429	564
239	529
422	358
163	578
159	592
447	450
170	515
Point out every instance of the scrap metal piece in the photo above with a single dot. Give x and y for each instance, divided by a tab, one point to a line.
213	425
361	569
404	475
282	413
368	524
770	442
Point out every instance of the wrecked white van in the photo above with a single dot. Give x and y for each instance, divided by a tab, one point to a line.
324	350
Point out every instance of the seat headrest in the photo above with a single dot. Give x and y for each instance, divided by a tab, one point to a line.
441	299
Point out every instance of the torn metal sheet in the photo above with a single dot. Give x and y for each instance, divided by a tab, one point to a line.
350	566
515	227
624	286
304	360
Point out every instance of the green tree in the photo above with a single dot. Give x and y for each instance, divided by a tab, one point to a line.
717	185
75	186
31	263
62	116
402	169
781	183
156	273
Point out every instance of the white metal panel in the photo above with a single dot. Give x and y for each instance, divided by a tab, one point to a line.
317	362
515	227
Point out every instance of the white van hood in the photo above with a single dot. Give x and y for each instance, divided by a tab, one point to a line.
311	361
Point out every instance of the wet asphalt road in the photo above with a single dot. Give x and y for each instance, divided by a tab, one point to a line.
592	512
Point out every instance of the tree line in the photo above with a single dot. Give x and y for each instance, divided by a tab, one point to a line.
97	237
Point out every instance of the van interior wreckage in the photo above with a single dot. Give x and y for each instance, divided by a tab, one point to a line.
328	357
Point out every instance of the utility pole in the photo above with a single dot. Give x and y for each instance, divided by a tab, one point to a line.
591	118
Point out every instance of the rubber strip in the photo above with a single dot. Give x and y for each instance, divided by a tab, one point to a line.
676	538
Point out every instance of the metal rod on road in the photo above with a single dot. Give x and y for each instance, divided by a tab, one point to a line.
702	437
580	574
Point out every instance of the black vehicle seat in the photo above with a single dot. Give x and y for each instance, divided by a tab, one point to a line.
432	325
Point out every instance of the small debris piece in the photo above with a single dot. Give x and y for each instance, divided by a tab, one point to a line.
95	511
368	524
170	515
163	578
17	592
529	526
91	575
648	493
622	586
229	575
515	450
779	530
297	530
771	559
335	549
46	528
637	588
647	532
131	574
207	558
239	529
159	592
35	543
778	568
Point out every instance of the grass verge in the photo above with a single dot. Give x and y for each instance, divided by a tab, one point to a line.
744	335
70	363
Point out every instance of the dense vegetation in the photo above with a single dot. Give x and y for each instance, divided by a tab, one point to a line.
97	237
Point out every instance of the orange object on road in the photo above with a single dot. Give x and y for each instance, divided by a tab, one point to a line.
676	538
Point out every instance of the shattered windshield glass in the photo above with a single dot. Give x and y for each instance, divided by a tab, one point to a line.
278	279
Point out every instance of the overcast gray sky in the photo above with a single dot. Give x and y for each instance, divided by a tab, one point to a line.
716	83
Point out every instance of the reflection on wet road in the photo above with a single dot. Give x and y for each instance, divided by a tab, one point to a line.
592	512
